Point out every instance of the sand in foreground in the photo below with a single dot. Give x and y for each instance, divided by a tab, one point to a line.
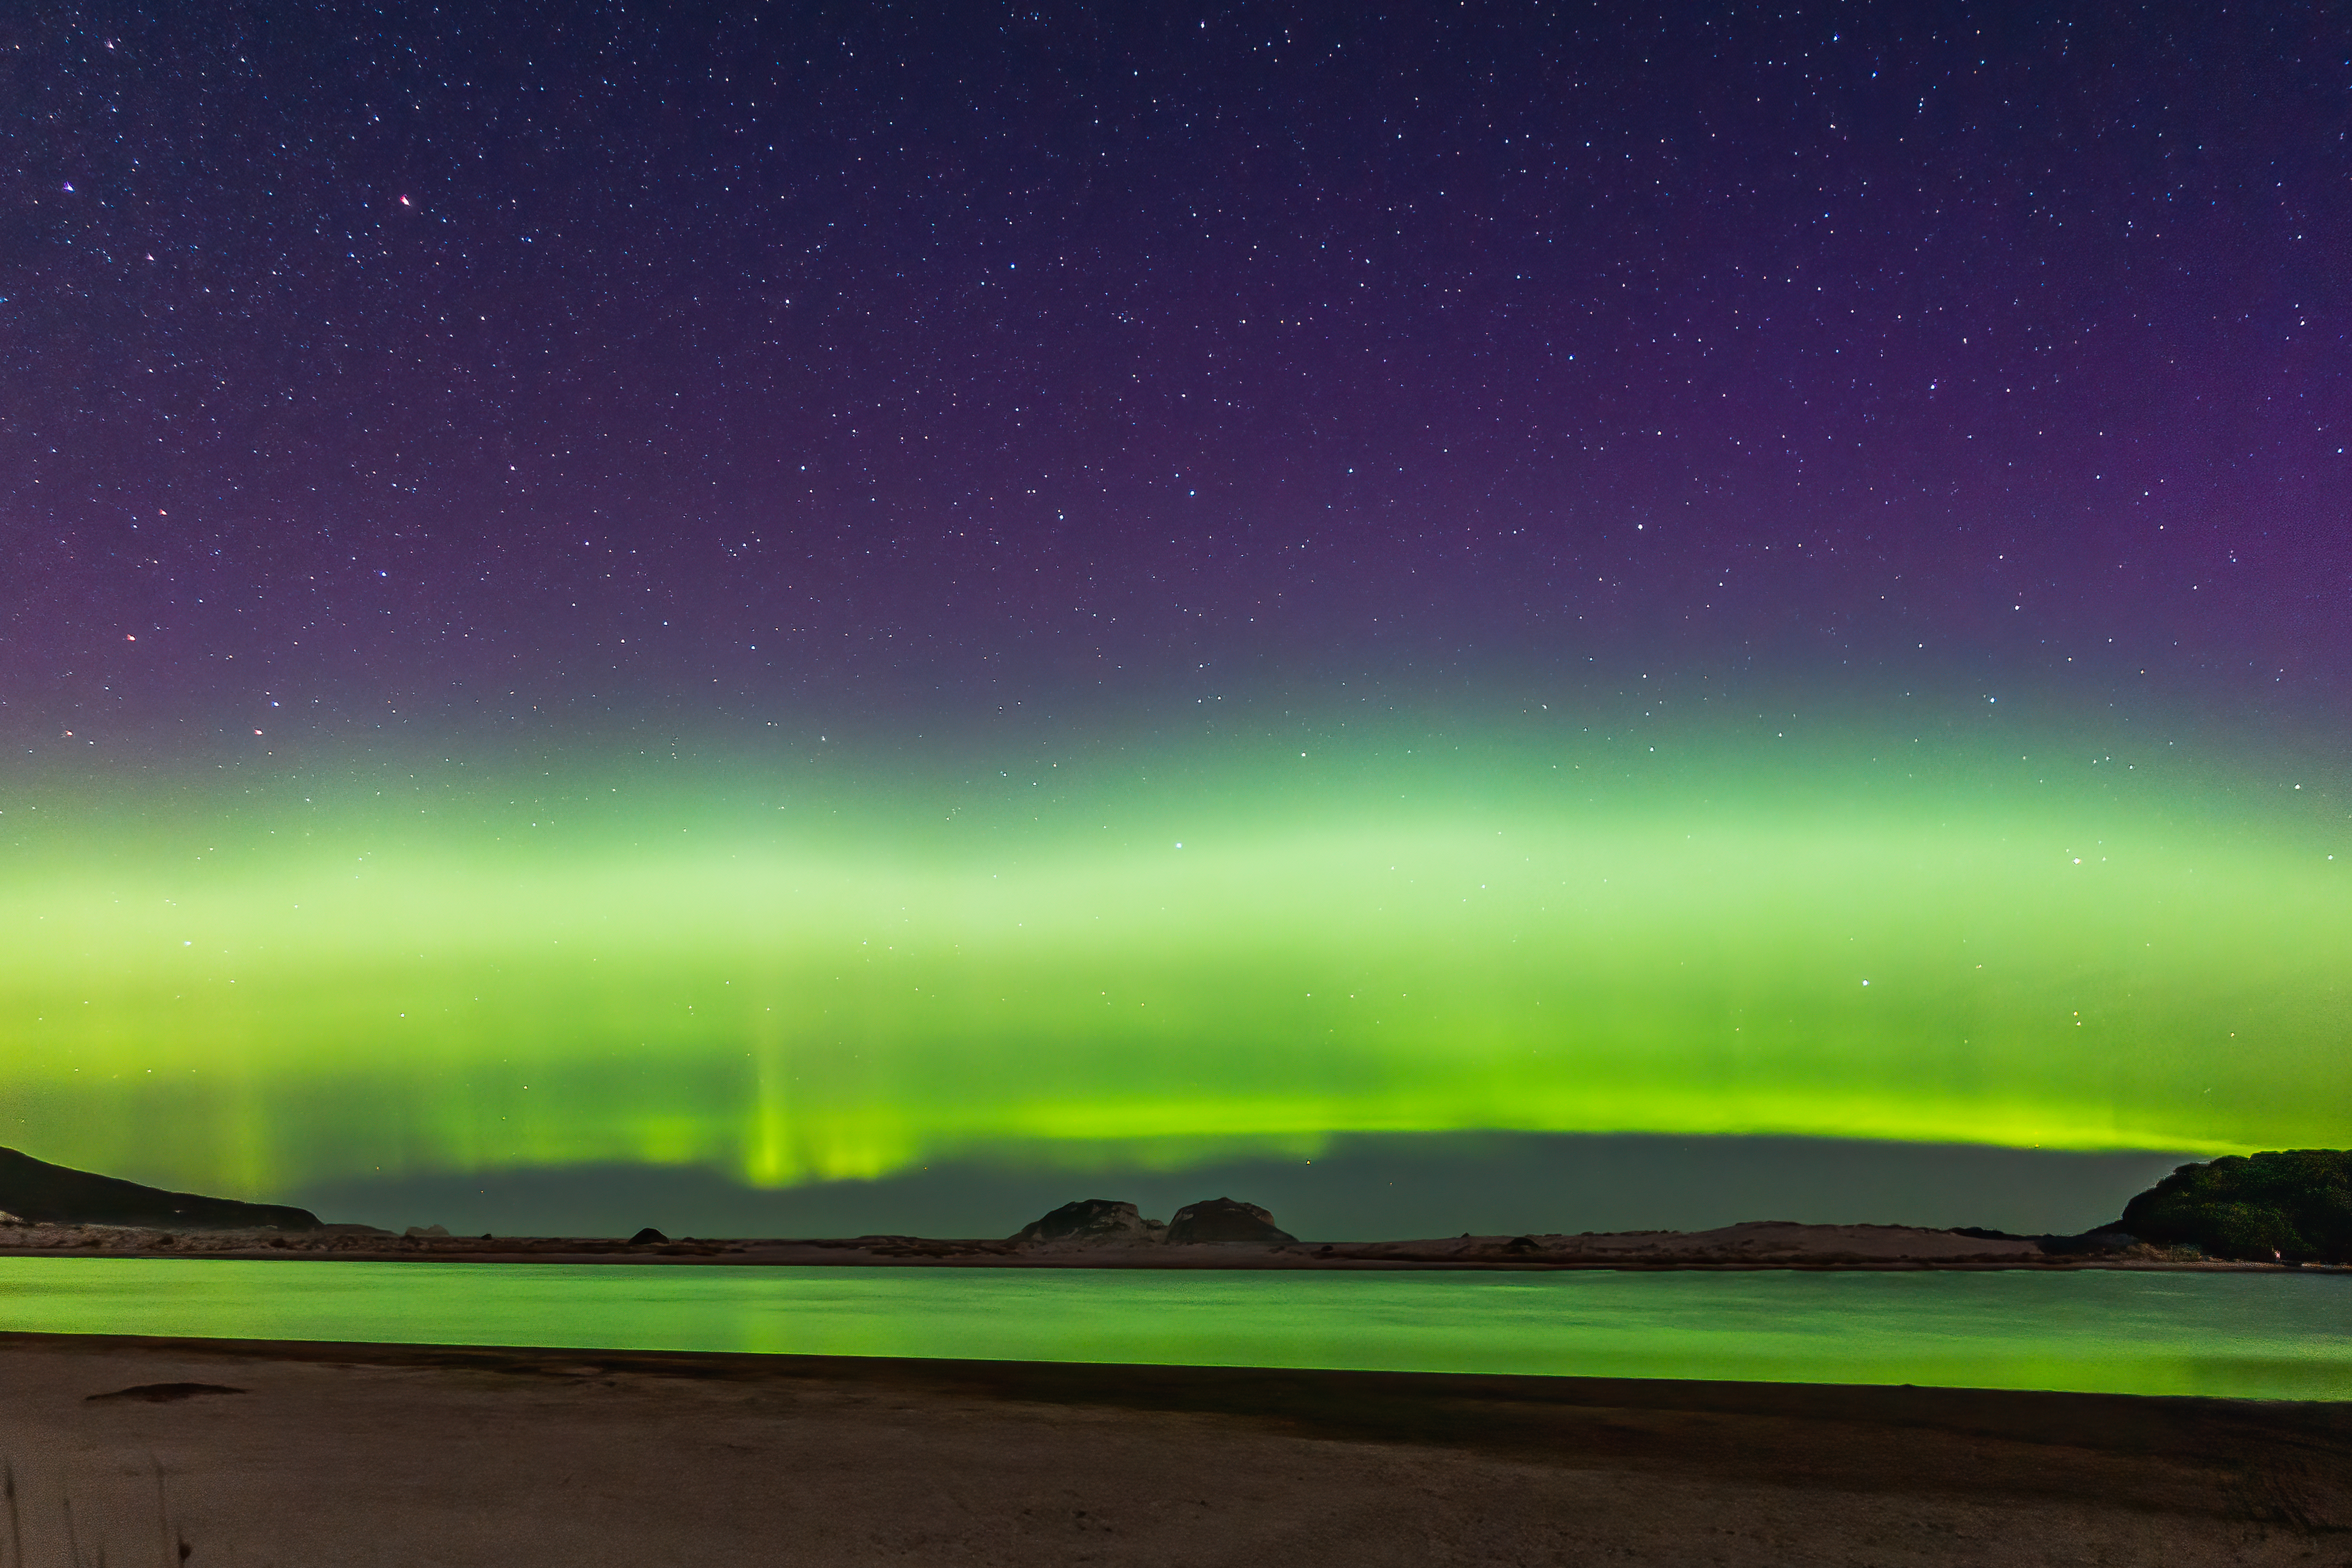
385	1455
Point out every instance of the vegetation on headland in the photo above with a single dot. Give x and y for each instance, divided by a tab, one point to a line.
2293	1205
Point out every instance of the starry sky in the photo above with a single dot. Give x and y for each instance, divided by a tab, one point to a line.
1048	419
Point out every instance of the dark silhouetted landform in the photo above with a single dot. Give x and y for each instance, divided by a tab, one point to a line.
44	1194
1217	1221
1224	1221
2273	1211
2293	1205
1090	1220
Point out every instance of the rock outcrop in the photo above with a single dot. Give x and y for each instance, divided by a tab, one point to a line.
44	1194
1090	1220
1225	1220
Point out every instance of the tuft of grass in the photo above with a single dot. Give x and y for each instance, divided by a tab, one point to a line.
175	1547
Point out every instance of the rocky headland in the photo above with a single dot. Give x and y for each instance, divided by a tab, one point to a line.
2292	1206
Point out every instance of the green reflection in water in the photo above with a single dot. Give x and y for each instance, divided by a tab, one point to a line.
2236	1335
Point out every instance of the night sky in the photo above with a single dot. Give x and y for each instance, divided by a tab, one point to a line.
854	427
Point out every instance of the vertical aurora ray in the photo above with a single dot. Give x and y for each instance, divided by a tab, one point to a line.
813	992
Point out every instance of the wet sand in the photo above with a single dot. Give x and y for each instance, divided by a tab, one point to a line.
389	1455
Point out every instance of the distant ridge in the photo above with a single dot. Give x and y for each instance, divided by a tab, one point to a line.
44	1194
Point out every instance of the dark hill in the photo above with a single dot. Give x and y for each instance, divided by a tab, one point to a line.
1225	1219
2294	1204
55	1194
1091	1219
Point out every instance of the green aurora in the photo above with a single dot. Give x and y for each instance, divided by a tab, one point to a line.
792	973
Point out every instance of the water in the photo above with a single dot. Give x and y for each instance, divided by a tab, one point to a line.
2275	1336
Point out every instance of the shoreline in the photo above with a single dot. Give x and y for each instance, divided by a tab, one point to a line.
1345	1397
466	1456
1751	1245
795	1257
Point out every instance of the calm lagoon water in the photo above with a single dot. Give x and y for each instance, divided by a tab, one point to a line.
2248	1335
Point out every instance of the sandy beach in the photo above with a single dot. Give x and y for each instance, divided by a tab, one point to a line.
258	1453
